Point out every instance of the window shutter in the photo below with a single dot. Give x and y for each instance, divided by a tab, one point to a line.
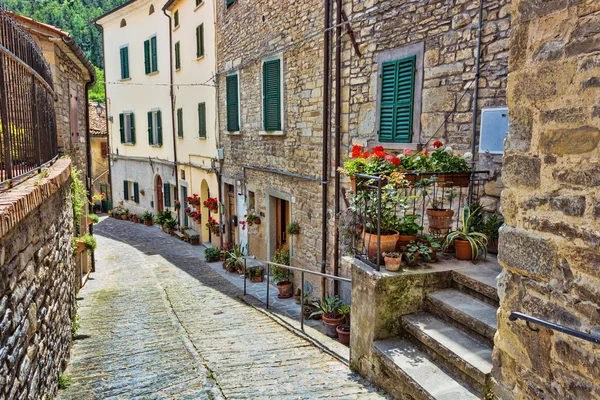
103	149
397	98
125	190
136	192
147	56
122	53
200	40
159	127
176	18
202	120
122	127
167	196
126	62
180	122
232	104
272	95
177	56
154	54
150	135
230	2
132	122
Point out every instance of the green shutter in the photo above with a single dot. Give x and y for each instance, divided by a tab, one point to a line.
125	190
176	18
397	100
230	2
159	127
154	54
232	104
200	40
202	120
198	2
177	56
150	135
136	192
132	122
127	63
122	127
272	95
167	196
180	122
147	57
122	53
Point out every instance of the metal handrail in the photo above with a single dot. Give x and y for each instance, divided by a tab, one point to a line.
302	271
546	324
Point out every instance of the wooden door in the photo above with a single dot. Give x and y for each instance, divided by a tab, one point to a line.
160	205
231	213
282	221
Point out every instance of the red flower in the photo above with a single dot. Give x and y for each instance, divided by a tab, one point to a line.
356	151
395	160
378	148
379	153
437	144
366	154
425	153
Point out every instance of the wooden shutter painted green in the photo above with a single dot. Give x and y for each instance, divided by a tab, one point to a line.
136	192
272	95
230	2
150	132
202	120
176	18
154	54
200	40
177	55
233	124
180	122
124	63
122	127
147	62
397	100
167	195
198	2
159	127
132	123
125	190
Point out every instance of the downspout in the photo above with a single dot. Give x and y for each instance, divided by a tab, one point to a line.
172	94
88	150
476	92
338	141
325	150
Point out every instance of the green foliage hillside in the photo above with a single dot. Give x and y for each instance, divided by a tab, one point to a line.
72	16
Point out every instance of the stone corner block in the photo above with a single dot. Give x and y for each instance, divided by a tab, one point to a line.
523	251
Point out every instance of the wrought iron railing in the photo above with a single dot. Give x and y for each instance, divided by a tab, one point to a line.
555	327
28	138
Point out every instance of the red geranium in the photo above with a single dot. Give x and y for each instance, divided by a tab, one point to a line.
356	151
425	153
377	148
395	160
437	144
366	154
379	153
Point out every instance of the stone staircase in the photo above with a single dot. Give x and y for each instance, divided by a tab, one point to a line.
445	352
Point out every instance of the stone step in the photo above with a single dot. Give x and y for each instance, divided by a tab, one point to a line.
420	377
465	310
480	281
456	349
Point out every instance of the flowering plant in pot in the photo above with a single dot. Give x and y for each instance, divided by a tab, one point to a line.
194	201
256	274
147	217
213	226
329	309
392	261
85	242
375	163
455	168
212	204
196	216
252	218
467	243
187	210
282	276
177	205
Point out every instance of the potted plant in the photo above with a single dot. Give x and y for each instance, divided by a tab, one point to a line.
147	217
212	254
213	226
252	218
85	242
235	260
433	244
124	214
177	205
343	333
194	201
440	214
411	253
282	276
329	309
490	227
293	228
170	226
408	229
467	243
454	168
162	217
256	274
133	218
392	261
212	204
297	295
92	219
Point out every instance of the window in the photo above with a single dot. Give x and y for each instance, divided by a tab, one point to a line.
202	120
150	56
167	194
397	100
151	10
155	128
131	191
125	62
251	200
198	2
200	40
103	149
180	123
127	128
272	95
73	113
176	18
229	2
233	124
177	56
123	23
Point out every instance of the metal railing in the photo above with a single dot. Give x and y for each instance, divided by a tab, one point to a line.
28	138
550	325
289	268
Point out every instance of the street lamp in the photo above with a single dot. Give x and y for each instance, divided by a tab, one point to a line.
99	109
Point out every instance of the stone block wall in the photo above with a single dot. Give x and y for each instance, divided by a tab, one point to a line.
37	284
549	248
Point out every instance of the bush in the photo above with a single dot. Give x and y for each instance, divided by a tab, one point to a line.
212	254
162	217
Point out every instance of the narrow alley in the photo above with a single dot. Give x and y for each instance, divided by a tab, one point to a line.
156	322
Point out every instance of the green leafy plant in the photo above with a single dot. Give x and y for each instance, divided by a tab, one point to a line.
163	216
414	249
293	228
212	254
392	254
328	307
170	224
280	274
88	240
407	225
78	196
477	240
235	258
491	226
255	272
63	382
344	309
94	218
147	216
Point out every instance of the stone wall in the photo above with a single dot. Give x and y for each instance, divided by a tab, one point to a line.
549	247
37	284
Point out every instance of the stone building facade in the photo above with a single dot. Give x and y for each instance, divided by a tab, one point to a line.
549	246
99	149
37	285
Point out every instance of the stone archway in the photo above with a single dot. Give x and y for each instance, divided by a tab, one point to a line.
204	194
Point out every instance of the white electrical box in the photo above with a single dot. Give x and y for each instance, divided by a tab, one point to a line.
494	127
220	154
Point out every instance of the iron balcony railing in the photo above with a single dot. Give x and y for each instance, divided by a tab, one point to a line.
555	327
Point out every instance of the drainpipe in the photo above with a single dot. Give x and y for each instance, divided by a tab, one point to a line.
88	150
172	94
476	92
338	141
325	150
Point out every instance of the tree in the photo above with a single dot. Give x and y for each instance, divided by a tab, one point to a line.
96	93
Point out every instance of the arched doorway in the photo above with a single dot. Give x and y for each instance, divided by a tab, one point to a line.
205	194
160	204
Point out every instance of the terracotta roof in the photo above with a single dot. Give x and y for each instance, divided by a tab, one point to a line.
97	122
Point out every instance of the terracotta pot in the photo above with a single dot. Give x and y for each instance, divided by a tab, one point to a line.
285	289
392	264
148	223
433	255
89	221
459	179
124	217
492	246
353	183
224	264
331	324
403	241
409	176
463	249
440	221
80	247
387	243
343	337
256	279
412	264
231	269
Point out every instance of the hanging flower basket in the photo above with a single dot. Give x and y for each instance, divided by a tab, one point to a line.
212	204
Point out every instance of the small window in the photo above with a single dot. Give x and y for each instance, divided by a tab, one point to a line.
125	62
200	40
202	120
123	23
73	113
229	2
150	55
233	124
180	123
155	128
177	56
167	194
272	95
151	10
198	2
251	200
397	100
127	128
176	18
131	191
103	149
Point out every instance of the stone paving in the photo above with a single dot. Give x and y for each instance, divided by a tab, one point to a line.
157	322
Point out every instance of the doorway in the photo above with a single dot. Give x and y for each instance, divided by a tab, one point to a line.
160	205
184	204
231	213
282	219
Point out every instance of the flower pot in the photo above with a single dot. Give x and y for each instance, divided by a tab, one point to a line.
433	255
124	217
392	264
463	249
80	247
414	262
459	179
148	223
409	176
89	221
331	324
297	299
256	279
285	289
403	241
492	246
98	211
343	337
387	243
231	269
353	183
440	221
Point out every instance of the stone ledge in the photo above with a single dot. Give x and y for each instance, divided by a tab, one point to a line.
17	203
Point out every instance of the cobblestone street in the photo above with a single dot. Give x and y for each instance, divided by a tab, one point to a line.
157	322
